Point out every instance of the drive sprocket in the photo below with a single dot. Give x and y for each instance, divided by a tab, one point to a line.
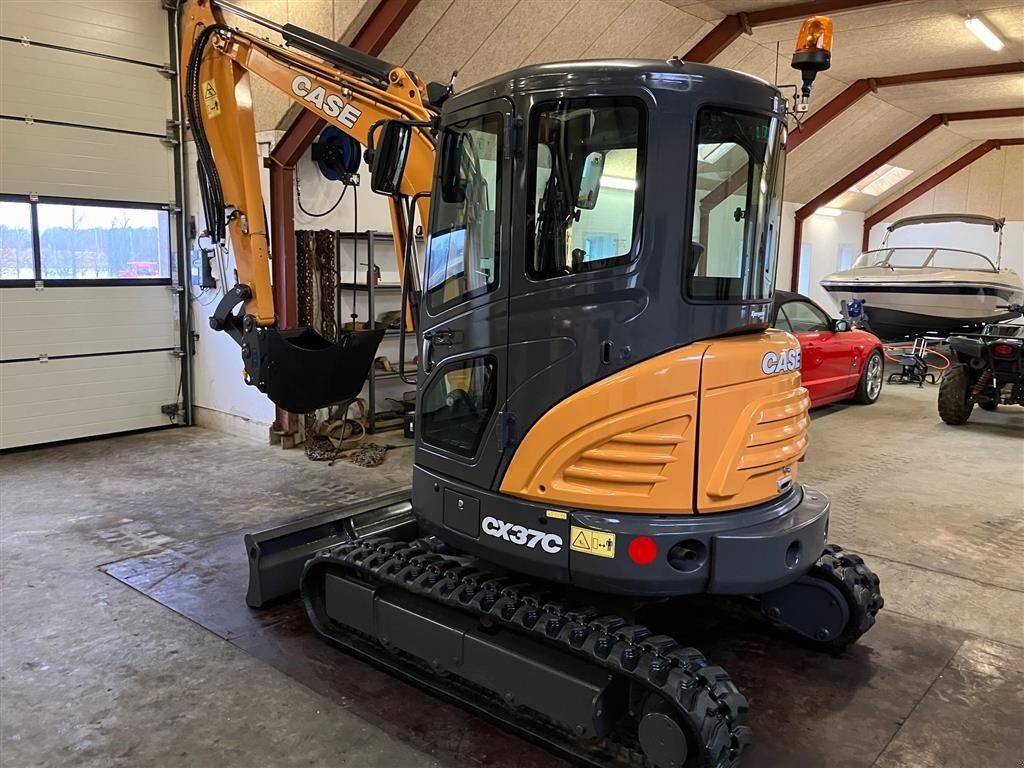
830	606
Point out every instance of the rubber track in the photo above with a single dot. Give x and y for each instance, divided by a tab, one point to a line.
702	695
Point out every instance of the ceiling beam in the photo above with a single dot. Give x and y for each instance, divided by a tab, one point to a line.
905	141
860	88
717	40
933	181
378	29
958	73
809	8
814	122
735	24
873	163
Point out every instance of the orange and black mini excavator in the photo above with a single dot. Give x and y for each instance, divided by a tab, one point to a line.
605	422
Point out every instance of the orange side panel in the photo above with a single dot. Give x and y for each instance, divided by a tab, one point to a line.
625	443
753	423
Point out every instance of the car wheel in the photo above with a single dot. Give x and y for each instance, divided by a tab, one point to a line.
870	386
955	405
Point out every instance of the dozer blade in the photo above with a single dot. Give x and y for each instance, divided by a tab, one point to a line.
595	688
276	555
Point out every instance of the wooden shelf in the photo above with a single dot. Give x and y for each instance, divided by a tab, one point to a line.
377	235
379	374
365	287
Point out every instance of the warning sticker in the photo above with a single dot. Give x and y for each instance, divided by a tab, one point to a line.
210	97
592	542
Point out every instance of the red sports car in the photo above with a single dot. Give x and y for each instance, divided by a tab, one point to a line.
837	362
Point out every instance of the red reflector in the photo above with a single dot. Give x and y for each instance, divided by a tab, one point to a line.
1002	350
643	550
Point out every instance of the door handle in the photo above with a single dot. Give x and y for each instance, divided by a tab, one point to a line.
442	337
426	350
446	337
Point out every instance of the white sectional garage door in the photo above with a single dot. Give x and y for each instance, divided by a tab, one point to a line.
89	229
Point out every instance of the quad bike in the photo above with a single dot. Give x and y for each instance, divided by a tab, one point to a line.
987	371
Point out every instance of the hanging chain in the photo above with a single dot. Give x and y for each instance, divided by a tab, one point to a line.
327	272
335	431
304	276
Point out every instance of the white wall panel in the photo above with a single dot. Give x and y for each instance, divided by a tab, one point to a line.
66	399
80	162
50	84
219	387
131	29
105	91
85	320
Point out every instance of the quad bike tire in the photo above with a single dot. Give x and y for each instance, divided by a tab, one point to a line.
988	405
954	404
866	392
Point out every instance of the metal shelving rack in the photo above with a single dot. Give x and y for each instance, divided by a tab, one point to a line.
370	288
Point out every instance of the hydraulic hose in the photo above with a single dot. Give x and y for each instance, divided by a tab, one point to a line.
211	190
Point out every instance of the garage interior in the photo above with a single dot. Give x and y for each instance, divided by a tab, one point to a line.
134	457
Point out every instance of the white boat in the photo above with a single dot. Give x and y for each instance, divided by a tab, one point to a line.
913	290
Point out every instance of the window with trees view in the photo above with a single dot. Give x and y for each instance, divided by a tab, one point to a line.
83	242
17	252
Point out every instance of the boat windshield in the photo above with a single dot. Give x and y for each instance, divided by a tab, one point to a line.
916	258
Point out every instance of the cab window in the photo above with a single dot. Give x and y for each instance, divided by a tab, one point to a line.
737	201
586	159
801	317
457	405
462	256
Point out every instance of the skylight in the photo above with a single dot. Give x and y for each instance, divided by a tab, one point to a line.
881	181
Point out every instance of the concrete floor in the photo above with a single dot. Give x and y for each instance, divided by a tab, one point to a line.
94	673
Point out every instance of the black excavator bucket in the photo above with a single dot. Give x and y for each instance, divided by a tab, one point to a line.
300	370
297	368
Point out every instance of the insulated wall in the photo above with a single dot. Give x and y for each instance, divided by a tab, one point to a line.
90	307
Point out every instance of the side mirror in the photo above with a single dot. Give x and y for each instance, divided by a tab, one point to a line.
387	165
590	181
452	184
840	325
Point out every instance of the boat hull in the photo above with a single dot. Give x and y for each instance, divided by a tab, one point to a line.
904	309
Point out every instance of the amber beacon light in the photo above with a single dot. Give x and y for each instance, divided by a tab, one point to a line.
813	53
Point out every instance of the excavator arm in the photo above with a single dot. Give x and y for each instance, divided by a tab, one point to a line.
298	369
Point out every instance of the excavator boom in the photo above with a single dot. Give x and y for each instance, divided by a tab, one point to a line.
298	369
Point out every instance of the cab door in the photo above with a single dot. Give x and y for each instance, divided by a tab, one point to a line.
464	303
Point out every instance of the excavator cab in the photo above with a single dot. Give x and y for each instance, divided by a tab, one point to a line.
605	420
594	263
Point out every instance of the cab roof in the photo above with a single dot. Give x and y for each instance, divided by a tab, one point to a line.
669	73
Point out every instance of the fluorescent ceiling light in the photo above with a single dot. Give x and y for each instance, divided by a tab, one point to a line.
826	211
617	182
982	31
881	180
712	153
